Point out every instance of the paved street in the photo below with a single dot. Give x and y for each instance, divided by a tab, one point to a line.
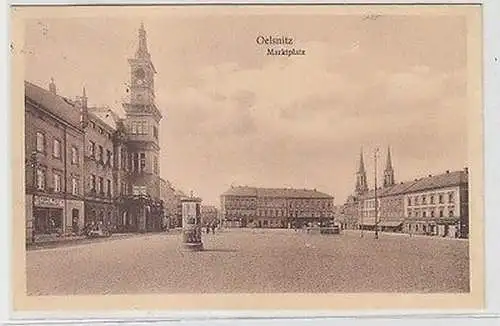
252	261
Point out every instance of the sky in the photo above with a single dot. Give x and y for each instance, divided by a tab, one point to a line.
234	116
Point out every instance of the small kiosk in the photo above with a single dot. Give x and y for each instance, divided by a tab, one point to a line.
191	223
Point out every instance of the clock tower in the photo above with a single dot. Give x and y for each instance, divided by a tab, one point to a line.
142	119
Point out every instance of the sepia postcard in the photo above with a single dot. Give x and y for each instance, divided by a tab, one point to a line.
194	157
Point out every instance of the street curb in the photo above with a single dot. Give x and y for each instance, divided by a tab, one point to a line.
74	242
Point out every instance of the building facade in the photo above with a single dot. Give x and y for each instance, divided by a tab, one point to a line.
54	144
87	165
433	205
275	207
209	215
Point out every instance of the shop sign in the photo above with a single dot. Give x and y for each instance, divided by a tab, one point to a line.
48	202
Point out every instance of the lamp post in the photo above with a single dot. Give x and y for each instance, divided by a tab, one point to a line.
375	195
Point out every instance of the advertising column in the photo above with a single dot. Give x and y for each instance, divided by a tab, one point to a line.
191	223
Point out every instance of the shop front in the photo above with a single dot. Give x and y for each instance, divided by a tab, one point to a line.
140	214
49	215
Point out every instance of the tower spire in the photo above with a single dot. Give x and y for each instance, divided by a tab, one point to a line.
388	165
361	182
361	168
142	49
389	171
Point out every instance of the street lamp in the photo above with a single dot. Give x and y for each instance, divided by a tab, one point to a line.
375	194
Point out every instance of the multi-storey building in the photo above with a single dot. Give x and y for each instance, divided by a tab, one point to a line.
209	215
275	207
434	205
100	129
54	143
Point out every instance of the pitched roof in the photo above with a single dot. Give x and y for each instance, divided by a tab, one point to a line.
447	179
275	192
105	115
55	104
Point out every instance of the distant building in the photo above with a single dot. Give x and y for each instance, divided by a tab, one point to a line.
433	205
275	207
209	215
54	145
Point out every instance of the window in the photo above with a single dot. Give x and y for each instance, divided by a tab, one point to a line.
100	154
123	189
424	200
135	162
409	214
108	157
143	162
409	201
451	213
74	155
56	149
144	128
134	128
155	132
91	148
440	198
424	214
40	179
100	185
40	142
441	213
57	183
92	124
155	165
101	131
109	187
450	198
74	186
123	159
431	199
432	213
93	182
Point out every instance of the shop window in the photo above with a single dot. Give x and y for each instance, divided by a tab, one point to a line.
40	142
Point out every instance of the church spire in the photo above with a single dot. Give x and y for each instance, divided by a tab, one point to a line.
388	165
389	171
361	168
142	49
361	182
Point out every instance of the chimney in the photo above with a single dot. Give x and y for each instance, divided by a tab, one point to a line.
52	86
466	170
